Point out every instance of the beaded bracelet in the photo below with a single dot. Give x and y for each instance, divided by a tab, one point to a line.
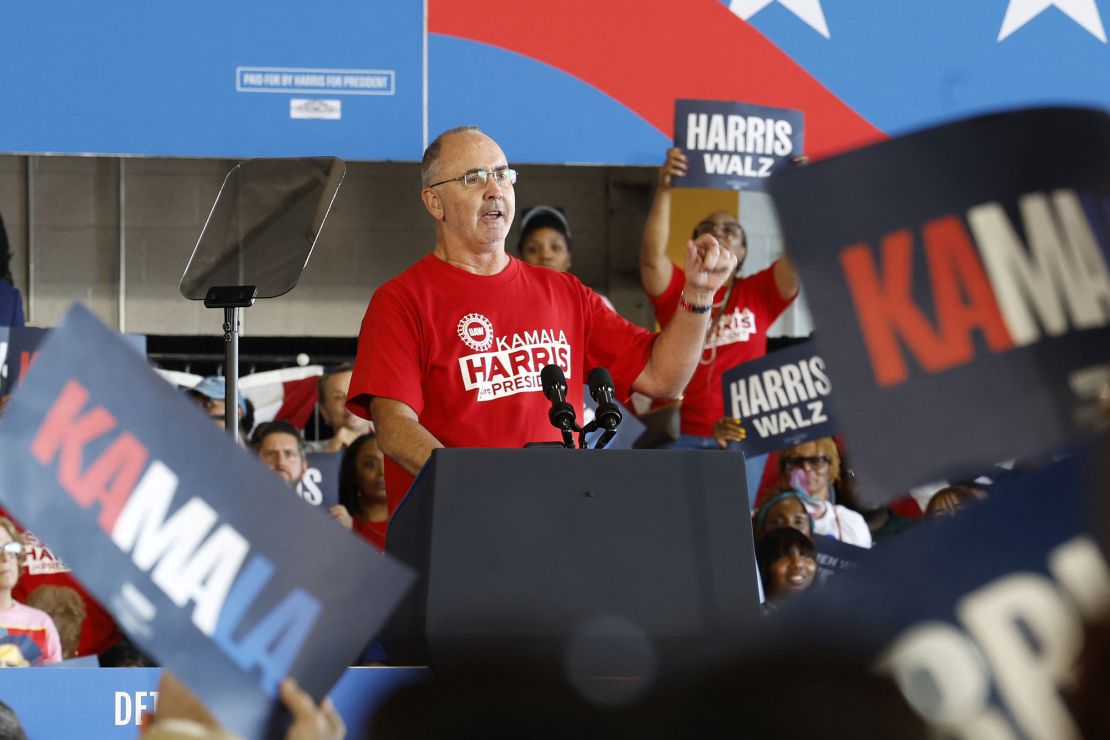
686	306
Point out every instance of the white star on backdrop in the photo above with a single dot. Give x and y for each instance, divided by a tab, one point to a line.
1083	12
808	10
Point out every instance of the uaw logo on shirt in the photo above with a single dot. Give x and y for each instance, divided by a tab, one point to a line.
513	366
477	331
738	326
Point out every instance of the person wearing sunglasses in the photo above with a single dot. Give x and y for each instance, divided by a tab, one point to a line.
451	350
814	467
741	311
28	636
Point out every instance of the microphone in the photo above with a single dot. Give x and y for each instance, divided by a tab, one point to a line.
561	413
608	414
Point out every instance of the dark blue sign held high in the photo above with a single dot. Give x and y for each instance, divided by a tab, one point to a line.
735	146
197	550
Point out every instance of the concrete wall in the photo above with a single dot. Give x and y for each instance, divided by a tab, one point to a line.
63	217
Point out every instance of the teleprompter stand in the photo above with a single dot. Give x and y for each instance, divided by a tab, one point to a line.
256	242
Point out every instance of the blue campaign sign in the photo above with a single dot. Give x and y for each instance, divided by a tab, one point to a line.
209	79
319	486
735	146
960	285
22	350
161	519
20	353
836	557
782	399
979	617
4	334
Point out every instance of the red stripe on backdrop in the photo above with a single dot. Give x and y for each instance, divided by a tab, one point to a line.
298	401
648	53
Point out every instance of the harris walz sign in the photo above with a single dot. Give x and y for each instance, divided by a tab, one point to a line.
782	399
735	146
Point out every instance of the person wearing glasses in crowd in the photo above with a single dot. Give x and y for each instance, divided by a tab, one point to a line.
450	351
814	467
28	636
741	312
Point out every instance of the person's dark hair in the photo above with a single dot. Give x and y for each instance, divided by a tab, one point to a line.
783	494
779	543
348	474
266	428
10	726
5	254
743	234
124	654
960	495
543	217
431	154
246	421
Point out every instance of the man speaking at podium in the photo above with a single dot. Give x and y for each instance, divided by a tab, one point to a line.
450	351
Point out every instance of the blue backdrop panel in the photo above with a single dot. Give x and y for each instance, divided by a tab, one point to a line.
198	78
547	117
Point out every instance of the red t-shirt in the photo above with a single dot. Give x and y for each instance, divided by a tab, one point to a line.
372	532
740	335
465	351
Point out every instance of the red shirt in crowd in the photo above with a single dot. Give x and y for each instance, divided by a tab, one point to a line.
465	351
738	334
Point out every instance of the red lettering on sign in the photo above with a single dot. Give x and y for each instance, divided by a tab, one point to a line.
112	476
962	292
889	317
26	360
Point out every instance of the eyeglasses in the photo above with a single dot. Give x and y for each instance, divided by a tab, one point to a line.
819	463
15	549
501	175
731	230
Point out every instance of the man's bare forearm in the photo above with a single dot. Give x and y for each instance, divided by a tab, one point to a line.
676	351
401	436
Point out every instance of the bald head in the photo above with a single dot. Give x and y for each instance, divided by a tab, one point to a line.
430	163
471	215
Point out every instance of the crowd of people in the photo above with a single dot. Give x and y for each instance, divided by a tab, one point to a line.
712	315
450	353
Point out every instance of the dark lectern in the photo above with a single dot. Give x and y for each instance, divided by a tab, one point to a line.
614	560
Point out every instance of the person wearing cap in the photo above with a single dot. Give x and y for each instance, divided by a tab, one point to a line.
209	395
741	310
545	240
450	351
